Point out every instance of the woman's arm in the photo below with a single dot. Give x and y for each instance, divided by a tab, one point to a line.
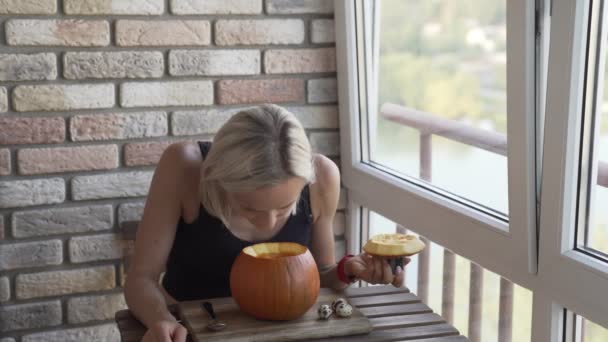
177	168
325	193
324	196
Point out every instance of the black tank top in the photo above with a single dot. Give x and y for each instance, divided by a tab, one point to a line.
203	251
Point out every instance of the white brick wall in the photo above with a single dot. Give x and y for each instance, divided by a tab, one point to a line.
92	92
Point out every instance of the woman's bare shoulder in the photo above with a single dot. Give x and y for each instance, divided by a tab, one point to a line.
183	155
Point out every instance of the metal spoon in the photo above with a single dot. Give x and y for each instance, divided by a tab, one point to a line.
214	325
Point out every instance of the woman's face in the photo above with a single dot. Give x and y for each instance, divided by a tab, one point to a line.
266	206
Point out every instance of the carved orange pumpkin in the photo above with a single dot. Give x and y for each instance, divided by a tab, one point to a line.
275	281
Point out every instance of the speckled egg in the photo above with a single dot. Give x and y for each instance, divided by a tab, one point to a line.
324	311
344	310
338	301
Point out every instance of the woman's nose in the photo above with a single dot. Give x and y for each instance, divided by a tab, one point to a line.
266	221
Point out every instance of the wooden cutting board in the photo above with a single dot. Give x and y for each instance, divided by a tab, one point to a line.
242	327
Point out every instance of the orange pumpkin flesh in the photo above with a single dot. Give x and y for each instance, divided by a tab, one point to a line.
275	281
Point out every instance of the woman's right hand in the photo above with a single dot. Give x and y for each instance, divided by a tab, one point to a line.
165	331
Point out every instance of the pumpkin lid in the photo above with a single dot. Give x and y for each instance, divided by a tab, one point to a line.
393	245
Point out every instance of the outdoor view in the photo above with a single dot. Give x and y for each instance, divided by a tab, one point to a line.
446	58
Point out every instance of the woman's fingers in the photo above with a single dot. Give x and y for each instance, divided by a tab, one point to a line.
398	280
180	334
387	273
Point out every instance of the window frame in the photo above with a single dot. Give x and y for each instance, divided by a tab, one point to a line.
562	269
549	266
509	248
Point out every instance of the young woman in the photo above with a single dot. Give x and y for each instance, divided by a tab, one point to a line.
258	181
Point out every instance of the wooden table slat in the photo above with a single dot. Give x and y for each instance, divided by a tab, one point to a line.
391	299
399	334
403	321
391	310
458	338
353	292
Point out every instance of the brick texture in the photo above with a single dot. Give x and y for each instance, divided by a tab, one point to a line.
258	91
45	222
300	61
327	143
29	316
64	159
122	64
35	130
63	97
30	254
58	32
200	121
3	100
28	67
98	247
52	283
125	184
130	211
5	162
145	153
95	308
183	93
118	126
322	31
22	193
5	289
299	6
99	333
216	6
316	116
322	90
214	62
168	33
28	7
259	32
94	7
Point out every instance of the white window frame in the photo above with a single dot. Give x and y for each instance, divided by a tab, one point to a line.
572	279
558	275
509	247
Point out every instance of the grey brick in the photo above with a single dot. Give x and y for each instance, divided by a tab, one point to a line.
64	220
31	192
99	333
30	254
28	67
98	247
52	283
126	184
94	308
299	6
29	316
214	62
122	64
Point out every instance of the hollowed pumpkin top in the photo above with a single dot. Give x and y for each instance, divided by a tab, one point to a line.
390	245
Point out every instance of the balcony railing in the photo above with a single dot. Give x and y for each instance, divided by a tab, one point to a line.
429	125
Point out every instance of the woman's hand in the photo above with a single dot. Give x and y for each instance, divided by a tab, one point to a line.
374	270
165	331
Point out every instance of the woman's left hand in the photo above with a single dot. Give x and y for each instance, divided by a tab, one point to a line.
374	270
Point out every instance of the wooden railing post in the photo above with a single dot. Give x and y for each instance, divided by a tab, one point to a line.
505	316
475	301
447	295
424	258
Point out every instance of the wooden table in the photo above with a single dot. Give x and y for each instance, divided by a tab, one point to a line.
396	315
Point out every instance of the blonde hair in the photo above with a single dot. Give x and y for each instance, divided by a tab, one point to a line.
257	147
